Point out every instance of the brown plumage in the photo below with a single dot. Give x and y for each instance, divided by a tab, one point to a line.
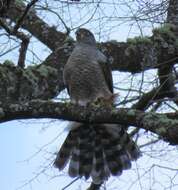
96	151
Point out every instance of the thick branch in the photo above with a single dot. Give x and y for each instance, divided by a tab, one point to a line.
165	72
25	12
148	53
23	51
155	94
36	26
164	125
43	81
172	16
128	57
23	37
140	54
25	84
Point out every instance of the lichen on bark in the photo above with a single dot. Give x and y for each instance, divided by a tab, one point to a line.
17	84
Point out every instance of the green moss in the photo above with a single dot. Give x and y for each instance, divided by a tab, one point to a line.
45	71
166	29
162	36
19	2
37	22
162	122
115	42
29	75
113	111
165	34
69	40
131	112
8	63
8	80
36	79
161	131
134	43
67	104
139	40
32	72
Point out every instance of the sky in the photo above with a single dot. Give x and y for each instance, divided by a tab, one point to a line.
27	151
28	146
23	146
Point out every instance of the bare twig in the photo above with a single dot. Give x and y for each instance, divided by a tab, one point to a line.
20	20
60	18
149	143
24	44
23	51
76	179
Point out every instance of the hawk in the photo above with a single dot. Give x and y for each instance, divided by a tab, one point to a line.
93	150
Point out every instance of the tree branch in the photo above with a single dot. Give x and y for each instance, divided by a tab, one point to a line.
24	44
164	125
39	81
172	16
165	72
148	53
155	94
36	26
20	20
23	51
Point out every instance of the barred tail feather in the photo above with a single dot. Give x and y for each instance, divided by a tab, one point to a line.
86	147
129	145
112	152
97	151
99	172
74	163
64	154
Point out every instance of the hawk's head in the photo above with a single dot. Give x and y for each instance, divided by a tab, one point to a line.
85	36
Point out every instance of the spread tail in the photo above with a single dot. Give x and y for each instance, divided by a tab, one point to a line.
97	151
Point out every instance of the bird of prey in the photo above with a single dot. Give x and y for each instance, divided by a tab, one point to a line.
93	150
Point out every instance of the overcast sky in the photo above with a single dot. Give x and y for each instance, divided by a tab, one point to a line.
28	147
